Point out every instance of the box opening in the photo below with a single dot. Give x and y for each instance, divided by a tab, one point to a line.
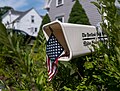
56	29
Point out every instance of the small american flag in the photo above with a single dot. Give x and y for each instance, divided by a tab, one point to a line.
53	49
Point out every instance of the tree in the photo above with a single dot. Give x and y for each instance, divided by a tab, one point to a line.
102	68
78	14
21	67
3	10
23	70
118	1
103	72
46	19
41	37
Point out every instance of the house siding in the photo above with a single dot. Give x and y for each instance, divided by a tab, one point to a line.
91	11
9	18
65	9
26	25
23	21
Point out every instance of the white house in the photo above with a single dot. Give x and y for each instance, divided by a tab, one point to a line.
28	21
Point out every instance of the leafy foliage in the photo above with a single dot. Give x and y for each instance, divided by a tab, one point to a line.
23	67
46	19
118	1
100	71
78	15
3	10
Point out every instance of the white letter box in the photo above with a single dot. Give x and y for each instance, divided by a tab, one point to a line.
76	39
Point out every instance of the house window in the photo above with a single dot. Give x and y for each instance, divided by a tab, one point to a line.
35	29
60	18
73	0
59	2
32	19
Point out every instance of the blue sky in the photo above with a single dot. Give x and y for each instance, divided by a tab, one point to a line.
25	5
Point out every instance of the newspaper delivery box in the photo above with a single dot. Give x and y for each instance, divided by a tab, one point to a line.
76	39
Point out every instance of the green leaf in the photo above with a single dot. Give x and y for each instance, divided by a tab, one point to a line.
67	89
88	65
96	4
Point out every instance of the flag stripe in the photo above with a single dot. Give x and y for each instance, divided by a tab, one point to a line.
52	69
53	50
52	75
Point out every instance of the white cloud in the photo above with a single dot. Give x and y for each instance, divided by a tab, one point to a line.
13	3
24	4
40	6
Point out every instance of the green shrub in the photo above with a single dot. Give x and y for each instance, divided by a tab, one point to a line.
22	69
46	19
78	15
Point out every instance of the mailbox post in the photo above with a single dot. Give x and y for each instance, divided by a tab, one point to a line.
76	39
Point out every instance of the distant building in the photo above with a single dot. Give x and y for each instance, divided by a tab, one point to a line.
60	10
28	21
